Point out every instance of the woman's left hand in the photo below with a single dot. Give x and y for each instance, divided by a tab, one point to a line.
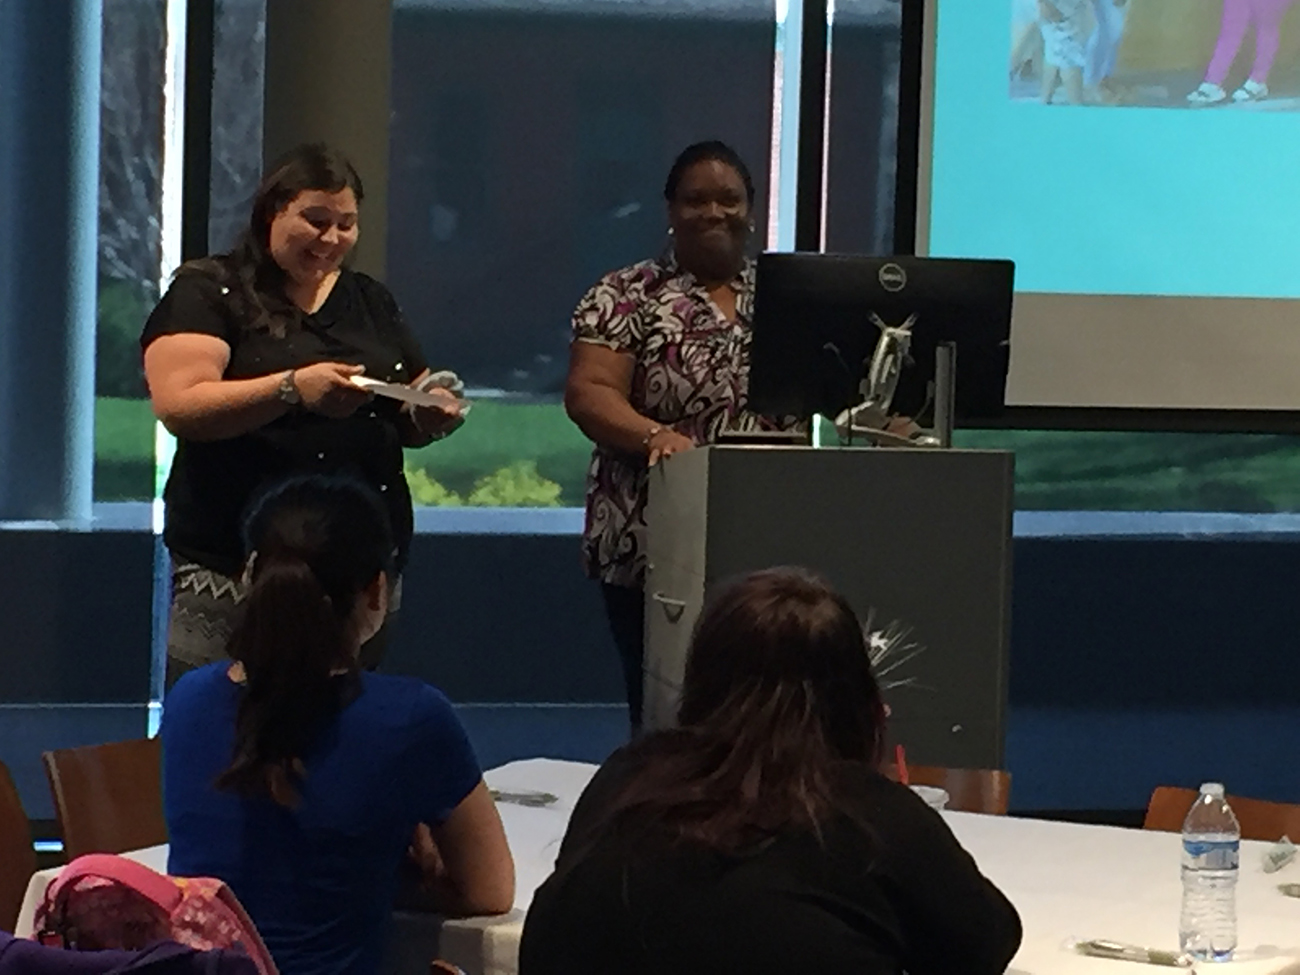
424	851
440	419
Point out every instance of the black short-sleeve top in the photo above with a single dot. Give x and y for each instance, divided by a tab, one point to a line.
894	892
212	482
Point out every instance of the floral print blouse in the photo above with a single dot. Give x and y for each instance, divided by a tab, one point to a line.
691	374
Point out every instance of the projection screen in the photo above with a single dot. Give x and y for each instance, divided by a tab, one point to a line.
1153	215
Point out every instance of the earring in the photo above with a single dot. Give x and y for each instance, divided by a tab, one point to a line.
671	231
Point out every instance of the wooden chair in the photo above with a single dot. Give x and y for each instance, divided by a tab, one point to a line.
1259	820
108	797
17	858
969	790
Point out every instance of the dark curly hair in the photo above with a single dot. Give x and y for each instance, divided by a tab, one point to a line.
712	151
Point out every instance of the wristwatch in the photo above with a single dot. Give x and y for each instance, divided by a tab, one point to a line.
288	391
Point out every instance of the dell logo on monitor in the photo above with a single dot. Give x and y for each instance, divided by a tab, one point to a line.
892	277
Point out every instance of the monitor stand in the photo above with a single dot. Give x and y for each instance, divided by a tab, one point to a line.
945	392
868	418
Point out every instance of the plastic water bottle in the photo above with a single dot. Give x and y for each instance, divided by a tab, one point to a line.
1207	925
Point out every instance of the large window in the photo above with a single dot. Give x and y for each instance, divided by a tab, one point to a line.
134	134
130	202
238	84
530	143
866	38
1104	471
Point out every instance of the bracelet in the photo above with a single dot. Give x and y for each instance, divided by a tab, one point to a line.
653	432
288	391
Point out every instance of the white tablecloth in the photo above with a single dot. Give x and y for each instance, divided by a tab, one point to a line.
490	946
1066	880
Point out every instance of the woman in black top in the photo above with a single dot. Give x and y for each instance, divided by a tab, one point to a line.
249	358
759	836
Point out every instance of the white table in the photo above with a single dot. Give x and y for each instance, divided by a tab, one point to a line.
1065	879
490	946
1069	880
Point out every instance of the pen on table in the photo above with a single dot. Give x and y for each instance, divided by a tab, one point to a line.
900	759
1122	952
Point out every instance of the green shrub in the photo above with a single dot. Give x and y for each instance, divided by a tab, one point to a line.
426	491
516	486
499	434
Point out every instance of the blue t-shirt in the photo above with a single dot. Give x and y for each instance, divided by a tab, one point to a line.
318	880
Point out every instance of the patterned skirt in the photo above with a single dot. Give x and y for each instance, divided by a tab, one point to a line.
205	607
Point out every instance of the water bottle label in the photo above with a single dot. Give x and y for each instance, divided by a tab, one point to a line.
1212	854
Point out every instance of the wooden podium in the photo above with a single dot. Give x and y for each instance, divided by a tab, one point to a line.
915	537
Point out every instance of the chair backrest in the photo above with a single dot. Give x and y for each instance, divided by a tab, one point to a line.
978	790
17	858
108	797
1260	820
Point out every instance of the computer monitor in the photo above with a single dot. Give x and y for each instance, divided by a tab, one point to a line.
814	330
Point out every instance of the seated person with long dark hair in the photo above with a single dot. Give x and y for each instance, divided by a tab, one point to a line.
298	778
759	835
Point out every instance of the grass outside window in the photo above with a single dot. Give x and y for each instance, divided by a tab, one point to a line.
529	454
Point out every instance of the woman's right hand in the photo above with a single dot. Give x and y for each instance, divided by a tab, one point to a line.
665	443
327	388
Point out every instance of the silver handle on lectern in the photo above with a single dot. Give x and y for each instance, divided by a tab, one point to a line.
675	607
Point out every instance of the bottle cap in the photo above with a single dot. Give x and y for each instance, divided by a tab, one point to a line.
1212	789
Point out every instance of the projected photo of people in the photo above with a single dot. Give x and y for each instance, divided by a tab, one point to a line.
1189	54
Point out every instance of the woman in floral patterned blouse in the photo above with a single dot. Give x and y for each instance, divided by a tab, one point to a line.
660	364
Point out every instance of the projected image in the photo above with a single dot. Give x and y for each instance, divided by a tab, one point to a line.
1224	54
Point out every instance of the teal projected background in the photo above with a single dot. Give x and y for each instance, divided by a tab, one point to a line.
1113	183
1108	197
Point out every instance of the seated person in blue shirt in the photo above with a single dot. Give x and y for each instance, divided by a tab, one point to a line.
300	779
759	837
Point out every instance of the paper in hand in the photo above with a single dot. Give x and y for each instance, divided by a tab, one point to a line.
416	397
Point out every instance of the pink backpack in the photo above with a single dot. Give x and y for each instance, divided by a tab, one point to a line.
103	901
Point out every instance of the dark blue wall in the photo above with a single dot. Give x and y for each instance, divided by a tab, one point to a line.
1137	662
1156	623
1134	661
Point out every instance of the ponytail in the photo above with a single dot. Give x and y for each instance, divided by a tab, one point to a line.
317	543
292	640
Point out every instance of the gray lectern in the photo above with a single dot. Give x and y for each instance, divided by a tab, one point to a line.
913	537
